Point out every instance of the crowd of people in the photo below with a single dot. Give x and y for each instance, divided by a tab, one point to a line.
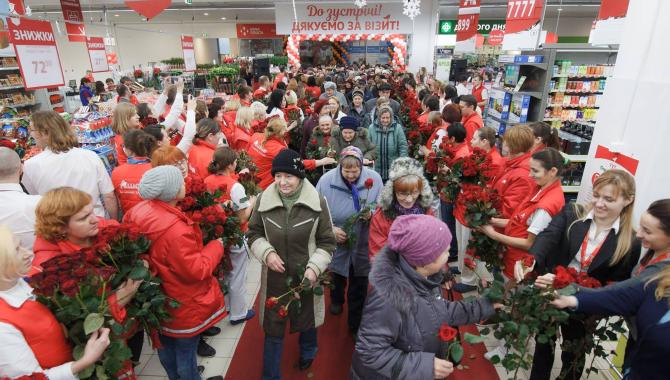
340	195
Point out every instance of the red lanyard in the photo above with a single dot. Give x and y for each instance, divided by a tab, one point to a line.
652	262
585	262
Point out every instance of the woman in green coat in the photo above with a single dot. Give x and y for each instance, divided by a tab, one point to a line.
389	137
290	231
350	134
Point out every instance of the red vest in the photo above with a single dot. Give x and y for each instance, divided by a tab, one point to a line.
199	157
41	330
214	182
477	93
471	123
550	200
126	180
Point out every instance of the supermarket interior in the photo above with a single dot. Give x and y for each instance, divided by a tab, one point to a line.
531	130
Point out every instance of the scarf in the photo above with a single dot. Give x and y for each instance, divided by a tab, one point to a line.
289	200
414	210
354	193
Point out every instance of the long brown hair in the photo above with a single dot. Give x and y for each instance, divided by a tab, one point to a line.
60	135
275	128
122	113
624	183
663	285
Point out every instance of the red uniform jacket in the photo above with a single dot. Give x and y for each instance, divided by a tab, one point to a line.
199	158
184	265
472	123
214	182
228	126
262	155
514	184
313	91
126	179
121	157
550	200
477	93
241	139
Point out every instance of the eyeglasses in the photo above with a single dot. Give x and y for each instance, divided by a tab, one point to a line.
404	195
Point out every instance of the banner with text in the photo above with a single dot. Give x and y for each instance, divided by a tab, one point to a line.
467	25
251	31
189	53
36	52
338	18
608	26
605	159
74	20
523	24
75	32
97	54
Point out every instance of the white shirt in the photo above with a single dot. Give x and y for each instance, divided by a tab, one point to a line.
462	90
239	197
78	168
593	241
538	221
18	212
16	357
276	111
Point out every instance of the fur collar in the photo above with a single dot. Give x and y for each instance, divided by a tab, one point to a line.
309	197
399	168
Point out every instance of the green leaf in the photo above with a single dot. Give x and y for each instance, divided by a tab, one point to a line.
456	352
100	373
318	291
86	372
93	322
568	290
139	273
289	281
78	352
473	339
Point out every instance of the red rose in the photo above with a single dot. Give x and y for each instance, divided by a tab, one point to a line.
283	312
271	302
313	142
563	278
447	333
70	288
528	261
211	218
369	183
589	282
469	263
218	229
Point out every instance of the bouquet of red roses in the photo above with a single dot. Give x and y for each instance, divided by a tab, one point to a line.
248	179
409	116
258	126
293	296
319	146
214	216
362	216
305	106
473	169
294	135
79	289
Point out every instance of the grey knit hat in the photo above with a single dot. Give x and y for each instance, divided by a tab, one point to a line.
328	85
162	183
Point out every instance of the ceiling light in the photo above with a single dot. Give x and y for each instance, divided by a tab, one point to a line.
205	14
223	18
116	15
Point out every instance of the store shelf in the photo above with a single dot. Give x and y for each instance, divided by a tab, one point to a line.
576	157
570	106
22	105
59	104
10	68
11	88
504	121
571	189
576	92
534	94
585	121
12	119
580	76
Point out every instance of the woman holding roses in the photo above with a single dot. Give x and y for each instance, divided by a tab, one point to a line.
597	239
351	191
32	339
290	231
399	334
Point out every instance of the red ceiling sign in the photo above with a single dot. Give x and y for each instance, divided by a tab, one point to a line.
17	7
257	31
75	32
36	52
72	10
612	8
496	37
148	8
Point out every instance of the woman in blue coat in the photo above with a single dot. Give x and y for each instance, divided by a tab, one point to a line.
348	189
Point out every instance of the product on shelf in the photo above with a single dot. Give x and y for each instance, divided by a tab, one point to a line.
9	99
499	101
565	68
575	138
498	126
6	62
572	175
569	114
518	109
94	132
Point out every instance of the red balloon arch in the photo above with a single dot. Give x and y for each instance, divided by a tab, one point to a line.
398	41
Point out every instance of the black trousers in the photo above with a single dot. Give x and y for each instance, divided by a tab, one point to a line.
356	293
135	344
447	215
572	361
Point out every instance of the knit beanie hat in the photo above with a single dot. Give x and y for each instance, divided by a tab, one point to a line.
328	85
349	122
358	92
162	183
351	151
420	239
288	161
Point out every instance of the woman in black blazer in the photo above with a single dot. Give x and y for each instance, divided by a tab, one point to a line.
597	238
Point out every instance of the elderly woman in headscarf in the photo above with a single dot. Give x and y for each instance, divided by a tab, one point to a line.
388	135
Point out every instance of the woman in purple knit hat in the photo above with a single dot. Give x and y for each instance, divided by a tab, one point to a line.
398	336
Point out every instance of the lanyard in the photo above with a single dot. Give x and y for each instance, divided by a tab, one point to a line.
584	262
651	262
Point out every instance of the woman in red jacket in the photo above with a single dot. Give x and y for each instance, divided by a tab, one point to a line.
514	183
124	118
263	147
243	129
207	136
184	266
228	119
534	213
65	224
32	339
406	192
138	146
545	136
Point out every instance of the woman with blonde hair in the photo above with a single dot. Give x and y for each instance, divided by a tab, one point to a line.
336	109
243	129
263	147
63	163
229	115
32	339
124	118
291	104
598	239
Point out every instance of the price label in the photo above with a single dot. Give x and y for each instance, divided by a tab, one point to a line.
189	53
523	24
466	26
97	54
36	52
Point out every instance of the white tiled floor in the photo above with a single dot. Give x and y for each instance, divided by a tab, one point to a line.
150	367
